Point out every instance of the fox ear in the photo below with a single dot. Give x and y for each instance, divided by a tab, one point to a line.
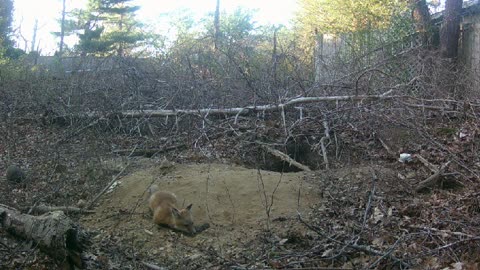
175	212
189	207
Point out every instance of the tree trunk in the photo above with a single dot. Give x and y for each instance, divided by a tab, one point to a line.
274	57
216	25
120	51
34	38
450	31
62	28
422	19
318	57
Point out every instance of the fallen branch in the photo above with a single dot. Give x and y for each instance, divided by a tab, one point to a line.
432	180
389	150
89	206
285	158
54	233
448	246
430	166
148	152
153	266
430	229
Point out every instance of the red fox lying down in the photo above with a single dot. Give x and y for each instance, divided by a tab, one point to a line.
163	206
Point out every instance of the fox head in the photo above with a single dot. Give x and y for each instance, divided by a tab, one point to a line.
183	217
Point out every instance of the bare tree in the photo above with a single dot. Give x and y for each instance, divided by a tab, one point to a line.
62	28
217	24
34	37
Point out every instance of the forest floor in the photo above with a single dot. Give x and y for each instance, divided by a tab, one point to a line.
364	213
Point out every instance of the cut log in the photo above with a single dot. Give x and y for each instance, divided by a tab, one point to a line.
54	233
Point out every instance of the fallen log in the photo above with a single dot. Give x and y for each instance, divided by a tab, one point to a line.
54	233
234	111
41	209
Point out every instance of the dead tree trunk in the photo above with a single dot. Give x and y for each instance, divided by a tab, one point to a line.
62	28
216	24
318	57
422	19
54	233
450	31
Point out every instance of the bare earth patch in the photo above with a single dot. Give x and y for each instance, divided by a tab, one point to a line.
232	199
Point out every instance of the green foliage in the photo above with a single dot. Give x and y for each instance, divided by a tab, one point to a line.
359	26
6	18
106	27
347	16
6	43
237	26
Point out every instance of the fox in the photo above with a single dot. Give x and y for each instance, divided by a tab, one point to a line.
162	205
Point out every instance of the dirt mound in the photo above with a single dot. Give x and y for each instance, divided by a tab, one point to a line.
235	201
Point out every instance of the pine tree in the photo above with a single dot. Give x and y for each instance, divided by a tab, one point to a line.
107	27
6	18
122	30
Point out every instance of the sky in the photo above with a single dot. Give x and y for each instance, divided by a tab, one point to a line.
48	11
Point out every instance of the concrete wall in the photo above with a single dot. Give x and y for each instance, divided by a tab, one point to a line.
469	51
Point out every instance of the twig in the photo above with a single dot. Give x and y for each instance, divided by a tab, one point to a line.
322	143
369	203
261	186
455	243
435	250
443	231
207	194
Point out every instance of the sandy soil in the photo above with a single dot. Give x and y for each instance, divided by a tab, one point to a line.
235	201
